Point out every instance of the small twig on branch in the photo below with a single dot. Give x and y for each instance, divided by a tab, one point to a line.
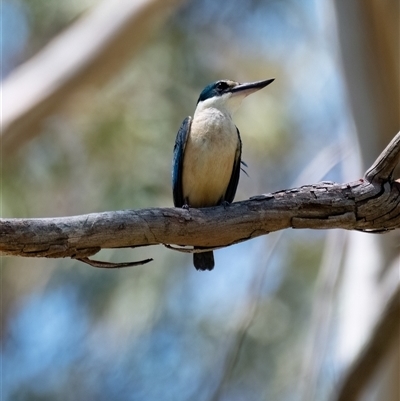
195	250
361	205
110	265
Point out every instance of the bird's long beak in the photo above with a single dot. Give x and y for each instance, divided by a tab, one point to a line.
250	87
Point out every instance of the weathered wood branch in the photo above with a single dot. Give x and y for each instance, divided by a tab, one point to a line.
371	204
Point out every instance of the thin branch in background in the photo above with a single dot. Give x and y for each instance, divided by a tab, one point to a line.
90	51
246	320
321	319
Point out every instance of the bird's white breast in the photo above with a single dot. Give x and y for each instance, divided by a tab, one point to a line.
209	157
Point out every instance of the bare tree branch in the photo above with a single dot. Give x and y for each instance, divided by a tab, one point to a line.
88	52
385	164
364	205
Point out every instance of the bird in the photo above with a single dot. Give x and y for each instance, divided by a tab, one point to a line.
207	152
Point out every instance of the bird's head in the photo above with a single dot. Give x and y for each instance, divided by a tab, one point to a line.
228	95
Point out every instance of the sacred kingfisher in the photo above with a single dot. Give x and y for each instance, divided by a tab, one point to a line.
207	152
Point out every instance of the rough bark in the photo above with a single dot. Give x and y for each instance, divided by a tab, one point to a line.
370	204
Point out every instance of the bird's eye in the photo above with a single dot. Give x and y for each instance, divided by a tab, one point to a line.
222	85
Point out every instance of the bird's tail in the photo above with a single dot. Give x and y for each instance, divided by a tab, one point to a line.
203	261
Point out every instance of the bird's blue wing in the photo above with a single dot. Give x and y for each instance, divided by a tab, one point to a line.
177	163
233	183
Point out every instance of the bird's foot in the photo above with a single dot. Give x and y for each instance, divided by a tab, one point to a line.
186	206
225	204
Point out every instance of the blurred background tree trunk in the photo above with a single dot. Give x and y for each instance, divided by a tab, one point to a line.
368	32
